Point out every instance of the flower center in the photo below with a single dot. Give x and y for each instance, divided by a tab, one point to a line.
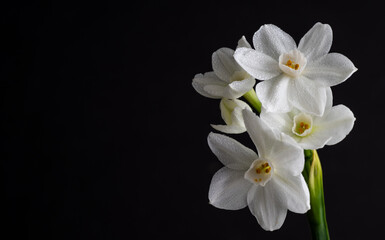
259	172
292	63
303	124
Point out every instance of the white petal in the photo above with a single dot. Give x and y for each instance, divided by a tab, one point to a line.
261	135
200	81
230	152
257	64
330	70
224	64
316	140
295	191
239	88
287	156
268	206
237	116
283	122
335	124
241	104
272	41
329	99
227	106
316	42
218	91
243	43
228	189
231	129
273	94
307	96
230	91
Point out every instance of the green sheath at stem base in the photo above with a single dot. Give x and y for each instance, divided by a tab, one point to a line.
316	215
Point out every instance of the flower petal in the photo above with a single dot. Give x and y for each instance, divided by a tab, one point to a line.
307	96
228	189
273	94
230	152
231	129
335	124
227	106
316	42
200	81
257	64
330	70
239	88
261	135
314	140
243	43
295	191
237	116
268	206
287	156
218	91
224	64
329	99
272	41
283	122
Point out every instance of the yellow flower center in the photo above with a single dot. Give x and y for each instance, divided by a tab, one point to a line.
302	127
292	65
262	170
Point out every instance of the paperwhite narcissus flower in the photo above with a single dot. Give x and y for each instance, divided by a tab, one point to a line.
228	80
295	76
313	132
269	183
231	111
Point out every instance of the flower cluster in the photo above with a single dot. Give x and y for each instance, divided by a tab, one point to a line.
296	113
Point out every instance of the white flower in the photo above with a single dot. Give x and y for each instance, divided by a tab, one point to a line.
295	76
231	111
310	131
228	80
269	183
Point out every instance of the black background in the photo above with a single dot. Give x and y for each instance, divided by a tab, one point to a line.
103	137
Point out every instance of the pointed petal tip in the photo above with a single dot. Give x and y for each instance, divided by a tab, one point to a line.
242	42
326	25
229	129
210	137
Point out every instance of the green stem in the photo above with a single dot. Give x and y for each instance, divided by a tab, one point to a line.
313	177
253	100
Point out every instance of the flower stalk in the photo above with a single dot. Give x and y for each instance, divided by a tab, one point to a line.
253	100
316	215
